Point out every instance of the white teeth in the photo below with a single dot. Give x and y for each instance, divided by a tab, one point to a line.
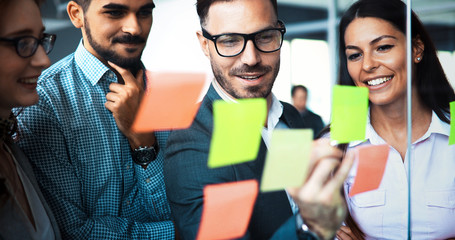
378	81
249	77
29	80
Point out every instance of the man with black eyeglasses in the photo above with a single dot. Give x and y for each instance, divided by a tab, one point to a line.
242	39
101	180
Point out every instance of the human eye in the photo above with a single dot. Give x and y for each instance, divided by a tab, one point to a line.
353	56
145	13
115	13
229	40
266	37
385	47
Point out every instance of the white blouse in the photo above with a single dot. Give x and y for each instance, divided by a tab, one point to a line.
383	213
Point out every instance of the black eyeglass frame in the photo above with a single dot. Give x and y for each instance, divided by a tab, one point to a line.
246	38
37	42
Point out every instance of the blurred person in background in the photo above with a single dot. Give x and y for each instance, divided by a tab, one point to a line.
311	120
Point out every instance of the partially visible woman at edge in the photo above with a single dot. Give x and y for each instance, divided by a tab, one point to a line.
23	55
373	54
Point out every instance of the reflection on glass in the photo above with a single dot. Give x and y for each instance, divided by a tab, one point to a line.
373	55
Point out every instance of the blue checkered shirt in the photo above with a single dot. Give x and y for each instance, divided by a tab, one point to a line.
83	162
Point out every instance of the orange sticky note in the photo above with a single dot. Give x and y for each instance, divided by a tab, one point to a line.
372	160
227	209
170	102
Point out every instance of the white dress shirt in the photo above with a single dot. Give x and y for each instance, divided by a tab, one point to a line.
383	213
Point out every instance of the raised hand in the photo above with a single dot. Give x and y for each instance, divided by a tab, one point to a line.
123	101
320	199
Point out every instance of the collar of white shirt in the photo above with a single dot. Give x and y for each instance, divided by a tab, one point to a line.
437	126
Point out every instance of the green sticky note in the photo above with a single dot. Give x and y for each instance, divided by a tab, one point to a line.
349	113
452	124
287	159
236	131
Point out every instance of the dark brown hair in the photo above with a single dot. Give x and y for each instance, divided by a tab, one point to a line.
297	87
83	3
203	6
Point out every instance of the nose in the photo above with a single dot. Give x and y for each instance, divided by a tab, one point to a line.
250	55
369	63
131	25
40	58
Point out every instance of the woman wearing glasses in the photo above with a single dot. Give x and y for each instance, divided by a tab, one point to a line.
373	55
23	55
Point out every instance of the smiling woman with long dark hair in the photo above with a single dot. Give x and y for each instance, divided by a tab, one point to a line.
373	55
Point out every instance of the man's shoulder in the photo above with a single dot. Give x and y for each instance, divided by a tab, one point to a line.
201	128
59	81
202	122
314	115
63	67
292	116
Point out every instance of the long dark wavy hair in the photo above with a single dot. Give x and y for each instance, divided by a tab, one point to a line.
433	88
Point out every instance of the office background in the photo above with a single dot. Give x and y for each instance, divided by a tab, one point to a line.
307	57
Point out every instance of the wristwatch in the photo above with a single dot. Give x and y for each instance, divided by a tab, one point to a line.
303	232
144	155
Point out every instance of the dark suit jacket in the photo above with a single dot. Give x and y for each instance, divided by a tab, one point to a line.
186	173
313	121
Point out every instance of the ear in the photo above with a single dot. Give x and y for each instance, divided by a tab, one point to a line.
417	49
204	43
76	14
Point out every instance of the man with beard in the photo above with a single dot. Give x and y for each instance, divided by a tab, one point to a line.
102	180
242	39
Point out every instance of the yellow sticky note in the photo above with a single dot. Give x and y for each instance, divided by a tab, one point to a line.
287	159
452	124
236	131
349	113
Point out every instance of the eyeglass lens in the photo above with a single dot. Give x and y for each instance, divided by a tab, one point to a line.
233	44
27	46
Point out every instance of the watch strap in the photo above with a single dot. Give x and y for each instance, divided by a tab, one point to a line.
303	231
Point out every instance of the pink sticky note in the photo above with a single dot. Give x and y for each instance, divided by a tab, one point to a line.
170	102
227	209
372	160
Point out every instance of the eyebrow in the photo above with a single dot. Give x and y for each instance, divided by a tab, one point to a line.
114	6
228	33
27	32
374	41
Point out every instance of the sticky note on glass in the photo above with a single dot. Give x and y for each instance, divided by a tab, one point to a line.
227	209
372	160
287	159
349	113
236	131
170	101
452	124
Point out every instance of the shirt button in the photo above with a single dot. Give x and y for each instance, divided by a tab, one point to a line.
110	75
147	180
127	202
127	166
